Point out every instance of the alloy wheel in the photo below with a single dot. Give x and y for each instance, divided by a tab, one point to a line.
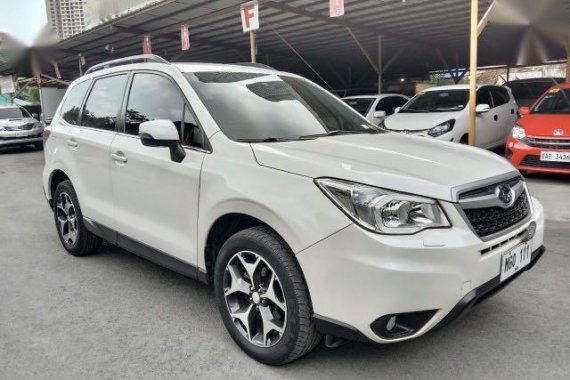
255	299
66	218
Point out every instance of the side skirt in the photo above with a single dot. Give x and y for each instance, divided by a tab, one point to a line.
146	252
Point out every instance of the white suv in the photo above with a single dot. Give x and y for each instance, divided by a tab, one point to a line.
442	113
306	219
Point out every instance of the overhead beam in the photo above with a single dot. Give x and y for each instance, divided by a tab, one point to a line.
364	51
473	72
343	22
485	19
393	58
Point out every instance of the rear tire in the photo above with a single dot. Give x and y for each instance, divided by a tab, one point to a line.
464	140
274	300
76	239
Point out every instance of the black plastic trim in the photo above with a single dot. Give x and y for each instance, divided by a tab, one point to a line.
146	252
485	291
338	329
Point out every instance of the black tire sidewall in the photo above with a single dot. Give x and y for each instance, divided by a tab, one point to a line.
67	187
280	352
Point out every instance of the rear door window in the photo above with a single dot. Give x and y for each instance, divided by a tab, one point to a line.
104	103
72	104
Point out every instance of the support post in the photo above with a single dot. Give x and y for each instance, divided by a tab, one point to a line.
252	45
379	64
473	72
568	60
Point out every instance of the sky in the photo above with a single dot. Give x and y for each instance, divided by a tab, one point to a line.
22	19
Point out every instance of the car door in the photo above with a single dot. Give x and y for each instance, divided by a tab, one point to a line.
89	144
507	111
156	199
487	122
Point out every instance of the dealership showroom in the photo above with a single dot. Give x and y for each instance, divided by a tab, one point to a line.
275	189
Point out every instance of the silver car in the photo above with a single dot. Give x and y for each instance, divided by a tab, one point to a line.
18	127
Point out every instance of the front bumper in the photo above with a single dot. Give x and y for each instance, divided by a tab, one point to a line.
525	157
355	277
12	140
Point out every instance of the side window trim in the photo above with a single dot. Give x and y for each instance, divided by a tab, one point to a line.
93	81
122	117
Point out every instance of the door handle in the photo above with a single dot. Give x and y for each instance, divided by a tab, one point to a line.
72	143
119	157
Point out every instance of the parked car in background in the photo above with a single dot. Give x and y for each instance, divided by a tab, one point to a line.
376	108
442	113
305	217
527	91
18	127
541	139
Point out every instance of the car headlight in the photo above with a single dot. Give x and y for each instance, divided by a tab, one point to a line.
442	128
384	211
518	132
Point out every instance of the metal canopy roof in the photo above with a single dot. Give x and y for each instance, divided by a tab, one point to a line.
412	31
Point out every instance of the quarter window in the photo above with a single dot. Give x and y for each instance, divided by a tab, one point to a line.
72	104
104	103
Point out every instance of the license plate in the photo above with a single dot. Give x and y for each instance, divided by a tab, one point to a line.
515	260
555	156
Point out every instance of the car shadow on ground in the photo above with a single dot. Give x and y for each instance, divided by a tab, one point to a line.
17	149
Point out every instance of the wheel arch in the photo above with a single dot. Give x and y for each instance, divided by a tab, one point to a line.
56	177
222	229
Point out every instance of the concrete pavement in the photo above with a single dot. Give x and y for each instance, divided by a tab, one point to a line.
114	315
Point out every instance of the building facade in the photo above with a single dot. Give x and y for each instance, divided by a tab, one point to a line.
66	17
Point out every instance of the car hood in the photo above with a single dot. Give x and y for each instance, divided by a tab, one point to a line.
418	121
393	161
17	122
545	125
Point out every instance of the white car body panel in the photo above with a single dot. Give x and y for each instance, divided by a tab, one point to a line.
376	99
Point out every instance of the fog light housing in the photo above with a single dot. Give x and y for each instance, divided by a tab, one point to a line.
394	326
530	231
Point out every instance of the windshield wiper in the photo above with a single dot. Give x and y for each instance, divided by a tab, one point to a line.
337	132
264	139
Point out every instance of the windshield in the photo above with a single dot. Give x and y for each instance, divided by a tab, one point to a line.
556	101
257	106
13	113
437	101
361	105
530	90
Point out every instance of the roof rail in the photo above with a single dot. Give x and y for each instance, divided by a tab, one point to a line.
260	65
126	60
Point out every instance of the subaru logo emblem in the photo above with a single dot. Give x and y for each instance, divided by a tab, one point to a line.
558	132
506	195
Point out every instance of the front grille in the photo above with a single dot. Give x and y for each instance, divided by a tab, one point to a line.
25	127
487	221
548	143
535	161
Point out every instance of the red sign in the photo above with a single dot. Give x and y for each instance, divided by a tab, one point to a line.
250	16
147	46
336	8
185	37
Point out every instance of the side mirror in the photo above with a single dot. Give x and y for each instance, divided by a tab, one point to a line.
524	110
397	109
482	108
380	114
162	133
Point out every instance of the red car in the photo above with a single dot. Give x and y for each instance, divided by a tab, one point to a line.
540	141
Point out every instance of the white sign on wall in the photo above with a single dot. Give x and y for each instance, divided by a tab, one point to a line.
250	16
336	8
7	85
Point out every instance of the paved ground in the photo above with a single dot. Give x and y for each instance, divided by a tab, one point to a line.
114	315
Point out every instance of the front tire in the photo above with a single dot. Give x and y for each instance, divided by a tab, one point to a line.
76	239
262	297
